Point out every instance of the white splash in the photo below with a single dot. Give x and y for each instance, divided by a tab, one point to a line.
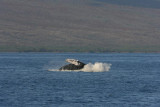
96	67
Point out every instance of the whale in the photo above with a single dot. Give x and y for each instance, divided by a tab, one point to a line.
74	65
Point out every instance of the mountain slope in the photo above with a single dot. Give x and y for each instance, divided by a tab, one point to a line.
135	3
79	26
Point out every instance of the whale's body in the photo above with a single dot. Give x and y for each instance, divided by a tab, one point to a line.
74	65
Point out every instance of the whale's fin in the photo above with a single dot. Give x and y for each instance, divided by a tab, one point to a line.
74	65
73	61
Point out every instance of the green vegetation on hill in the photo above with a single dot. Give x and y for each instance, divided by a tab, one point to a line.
77	26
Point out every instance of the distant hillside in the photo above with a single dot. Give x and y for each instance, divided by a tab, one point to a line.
135	3
79	26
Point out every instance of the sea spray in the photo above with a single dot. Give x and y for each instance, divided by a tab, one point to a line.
96	67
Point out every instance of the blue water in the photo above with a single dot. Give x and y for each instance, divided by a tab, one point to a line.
132	81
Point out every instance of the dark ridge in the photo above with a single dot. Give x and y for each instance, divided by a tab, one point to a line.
135	3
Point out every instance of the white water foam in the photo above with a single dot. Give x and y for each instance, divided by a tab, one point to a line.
96	67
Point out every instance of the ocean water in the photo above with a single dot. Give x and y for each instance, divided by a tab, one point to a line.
32	80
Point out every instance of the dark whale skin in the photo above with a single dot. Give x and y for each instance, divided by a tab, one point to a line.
72	66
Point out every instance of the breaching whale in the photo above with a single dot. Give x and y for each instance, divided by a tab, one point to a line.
74	65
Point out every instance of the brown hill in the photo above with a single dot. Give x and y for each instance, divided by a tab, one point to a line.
77	26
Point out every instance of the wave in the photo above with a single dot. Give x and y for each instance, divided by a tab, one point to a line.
96	67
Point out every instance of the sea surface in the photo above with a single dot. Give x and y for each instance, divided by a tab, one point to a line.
133	80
